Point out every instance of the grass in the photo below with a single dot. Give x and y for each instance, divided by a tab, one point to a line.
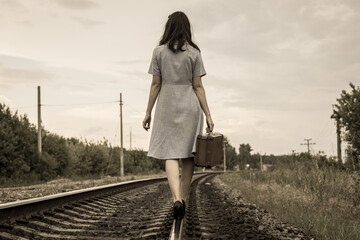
323	202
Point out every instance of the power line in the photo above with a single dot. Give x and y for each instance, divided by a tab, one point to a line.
29	106
63	105
77	104
134	109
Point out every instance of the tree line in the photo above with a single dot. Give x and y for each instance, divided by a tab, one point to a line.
77	158
346	111
20	162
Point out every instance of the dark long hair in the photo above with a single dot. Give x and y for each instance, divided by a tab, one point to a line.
177	30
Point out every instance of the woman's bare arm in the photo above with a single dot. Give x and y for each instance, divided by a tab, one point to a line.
200	93
154	91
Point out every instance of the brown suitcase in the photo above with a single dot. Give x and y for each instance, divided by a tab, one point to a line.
209	149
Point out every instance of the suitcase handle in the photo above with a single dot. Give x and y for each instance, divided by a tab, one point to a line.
210	135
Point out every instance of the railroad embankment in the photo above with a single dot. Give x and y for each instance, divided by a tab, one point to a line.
323	201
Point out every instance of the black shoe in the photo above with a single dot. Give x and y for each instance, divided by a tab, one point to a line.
178	210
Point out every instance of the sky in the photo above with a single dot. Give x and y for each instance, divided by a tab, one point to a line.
274	67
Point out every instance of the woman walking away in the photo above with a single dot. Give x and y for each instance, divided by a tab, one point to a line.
177	68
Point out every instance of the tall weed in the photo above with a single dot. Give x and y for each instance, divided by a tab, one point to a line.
322	199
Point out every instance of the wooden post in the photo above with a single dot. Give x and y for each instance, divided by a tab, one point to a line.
121	140
130	139
224	158
338	131
39	121
336	116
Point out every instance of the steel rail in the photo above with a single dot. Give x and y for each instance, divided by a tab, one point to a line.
177	227
25	208
12	212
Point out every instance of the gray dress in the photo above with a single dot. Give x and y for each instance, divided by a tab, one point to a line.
178	117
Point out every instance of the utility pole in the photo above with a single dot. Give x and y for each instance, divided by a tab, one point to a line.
39	121
224	157
130	139
308	144
336	116
293	154
338	138
121	140
261	165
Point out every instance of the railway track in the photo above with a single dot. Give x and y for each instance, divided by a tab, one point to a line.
119	211
137	210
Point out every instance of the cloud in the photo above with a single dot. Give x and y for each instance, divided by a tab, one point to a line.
93	130
4	99
5	87
87	22
274	67
20	70
26	23
76	4
19	60
132	61
12	5
335	11
278	55
275	102
74	88
324	32
102	112
22	75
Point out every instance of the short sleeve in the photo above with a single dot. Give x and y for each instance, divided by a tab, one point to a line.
198	68
154	68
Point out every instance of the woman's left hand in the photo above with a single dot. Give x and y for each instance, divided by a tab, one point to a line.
146	122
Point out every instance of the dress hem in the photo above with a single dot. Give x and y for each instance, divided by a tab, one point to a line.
170	158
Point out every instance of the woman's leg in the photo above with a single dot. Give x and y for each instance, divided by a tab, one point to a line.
172	173
186	176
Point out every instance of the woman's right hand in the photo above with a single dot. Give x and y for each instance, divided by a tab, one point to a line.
210	124
146	122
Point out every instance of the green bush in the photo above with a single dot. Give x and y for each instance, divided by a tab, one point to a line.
61	157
